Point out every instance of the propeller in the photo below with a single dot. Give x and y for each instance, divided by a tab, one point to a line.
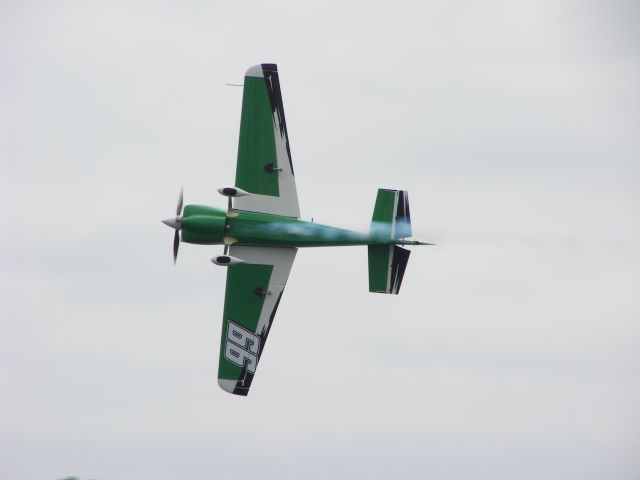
176	224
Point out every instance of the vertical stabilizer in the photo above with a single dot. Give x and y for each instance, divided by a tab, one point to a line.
391	222
391	218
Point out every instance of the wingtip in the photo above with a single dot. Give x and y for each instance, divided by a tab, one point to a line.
258	70
231	386
254	71
227	385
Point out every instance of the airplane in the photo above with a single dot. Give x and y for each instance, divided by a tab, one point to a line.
261	231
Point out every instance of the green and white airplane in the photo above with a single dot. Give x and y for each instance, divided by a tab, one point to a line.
261	231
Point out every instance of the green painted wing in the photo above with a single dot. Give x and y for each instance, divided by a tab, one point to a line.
252	296
264	165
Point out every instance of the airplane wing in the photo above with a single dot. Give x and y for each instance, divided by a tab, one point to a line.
264	165
253	293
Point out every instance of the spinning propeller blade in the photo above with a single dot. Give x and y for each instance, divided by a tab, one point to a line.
176	224
179	209
176	245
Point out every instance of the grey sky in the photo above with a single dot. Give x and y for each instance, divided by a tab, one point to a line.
512	350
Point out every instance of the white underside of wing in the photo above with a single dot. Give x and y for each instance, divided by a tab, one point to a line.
282	260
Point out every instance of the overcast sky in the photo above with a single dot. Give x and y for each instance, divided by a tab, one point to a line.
513	349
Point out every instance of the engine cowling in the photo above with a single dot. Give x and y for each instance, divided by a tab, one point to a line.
203	225
226	260
232	192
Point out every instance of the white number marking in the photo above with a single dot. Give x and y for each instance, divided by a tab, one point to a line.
242	347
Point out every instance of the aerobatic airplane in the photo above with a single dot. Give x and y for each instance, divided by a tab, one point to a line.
261	231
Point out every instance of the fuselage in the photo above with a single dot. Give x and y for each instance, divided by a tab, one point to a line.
206	225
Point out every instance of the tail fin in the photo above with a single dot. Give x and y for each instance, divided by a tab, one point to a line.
387	264
391	221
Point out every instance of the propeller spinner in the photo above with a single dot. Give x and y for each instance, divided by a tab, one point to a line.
176	224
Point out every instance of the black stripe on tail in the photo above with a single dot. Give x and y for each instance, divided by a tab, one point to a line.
403	217
399	260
